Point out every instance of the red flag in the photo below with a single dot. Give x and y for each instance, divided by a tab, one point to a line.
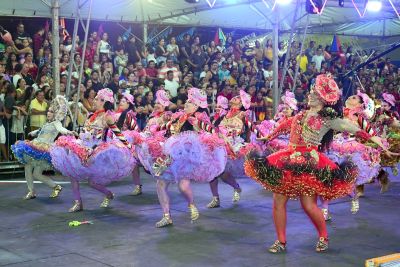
216	37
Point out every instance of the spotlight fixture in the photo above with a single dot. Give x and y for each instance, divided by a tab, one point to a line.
341	3
374	6
192	1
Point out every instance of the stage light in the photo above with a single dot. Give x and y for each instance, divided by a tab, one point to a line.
192	1
374	6
341	3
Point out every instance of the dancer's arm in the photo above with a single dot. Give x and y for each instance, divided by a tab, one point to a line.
111	124
282	128
62	130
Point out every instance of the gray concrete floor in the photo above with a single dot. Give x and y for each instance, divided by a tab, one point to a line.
36	232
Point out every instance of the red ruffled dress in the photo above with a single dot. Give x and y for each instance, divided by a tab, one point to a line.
301	169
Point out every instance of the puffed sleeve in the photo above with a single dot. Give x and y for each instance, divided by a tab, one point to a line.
60	128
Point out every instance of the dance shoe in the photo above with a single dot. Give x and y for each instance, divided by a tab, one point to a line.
277	247
56	191
214	203
194	212
165	221
30	195
322	244
106	201
77	206
355	205
137	190
360	190
236	195
327	215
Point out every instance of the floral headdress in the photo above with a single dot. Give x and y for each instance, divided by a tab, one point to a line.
368	106
327	89
106	94
162	98
389	98
289	100
60	107
197	97
129	98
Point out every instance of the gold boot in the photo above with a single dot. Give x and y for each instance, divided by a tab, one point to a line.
56	191
355	205
277	247
137	190
360	190
30	195
106	201
327	215
77	206
194	212
165	221
214	203
236	195
322	244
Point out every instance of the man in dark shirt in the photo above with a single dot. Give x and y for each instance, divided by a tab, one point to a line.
114	84
197	60
185	50
21	35
133	51
95	81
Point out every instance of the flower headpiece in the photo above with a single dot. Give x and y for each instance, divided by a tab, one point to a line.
162	98
327	89
246	99
289	100
129	98
60	107
197	97
106	94
368	106
222	102
389	98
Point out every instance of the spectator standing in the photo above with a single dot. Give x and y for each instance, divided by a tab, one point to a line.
38	110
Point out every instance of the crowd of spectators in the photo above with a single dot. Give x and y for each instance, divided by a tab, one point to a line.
26	81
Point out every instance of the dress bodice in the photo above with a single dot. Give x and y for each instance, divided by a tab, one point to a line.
232	126
48	133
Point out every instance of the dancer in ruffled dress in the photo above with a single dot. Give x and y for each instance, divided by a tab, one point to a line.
302	171
231	127
190	154
93	157
387	123
126	121
35	154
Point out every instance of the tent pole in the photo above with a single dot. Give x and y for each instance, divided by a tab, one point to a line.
86	29
55	8
289	47
145	28
275	38
296	73
72	53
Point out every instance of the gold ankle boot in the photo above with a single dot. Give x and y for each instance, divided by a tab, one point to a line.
236	195
30	195
137	190
355	205
106	201
384	181
77	206
194	212
165	221
56	191
327	215
214	203
322	244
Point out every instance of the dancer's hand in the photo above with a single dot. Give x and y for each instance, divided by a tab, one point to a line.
264	138
391	154
74	133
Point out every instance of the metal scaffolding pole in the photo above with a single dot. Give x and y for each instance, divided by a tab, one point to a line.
72	53
55	8
275	38
145	28
86	30
301	51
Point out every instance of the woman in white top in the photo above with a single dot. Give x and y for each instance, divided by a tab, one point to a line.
103	47
173	50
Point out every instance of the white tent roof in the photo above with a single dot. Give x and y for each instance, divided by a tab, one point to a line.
243	14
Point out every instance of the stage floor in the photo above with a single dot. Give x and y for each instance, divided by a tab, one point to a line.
36	232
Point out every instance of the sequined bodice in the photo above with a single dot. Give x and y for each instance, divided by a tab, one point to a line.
308	130
182	124
47	134
233	125
95	127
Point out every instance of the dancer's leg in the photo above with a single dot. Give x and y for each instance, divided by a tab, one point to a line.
162	193
279	216
186	190
38	174
29	177
214	187
136	181
77	196
309	204
229	179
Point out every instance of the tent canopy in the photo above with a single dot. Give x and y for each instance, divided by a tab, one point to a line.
241	14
